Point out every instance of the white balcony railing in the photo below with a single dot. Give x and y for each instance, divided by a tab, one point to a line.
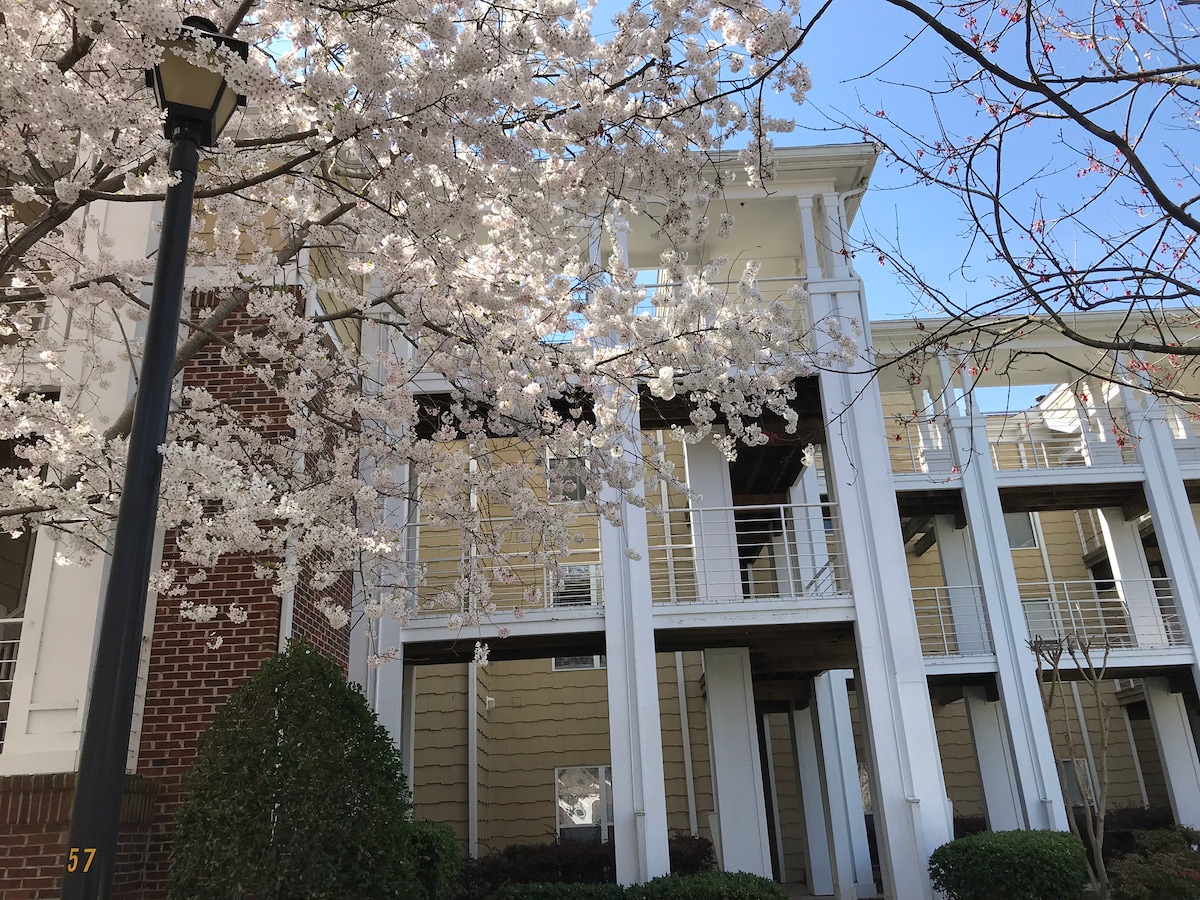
1132	613
510	571
21	319
1021	440
918	444
10	640
952	621
1050	439
736	554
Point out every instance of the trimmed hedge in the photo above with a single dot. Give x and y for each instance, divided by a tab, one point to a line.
1164	865
708	886
431	851
297	793
575	862
560	892
705	886
690	854
1011	865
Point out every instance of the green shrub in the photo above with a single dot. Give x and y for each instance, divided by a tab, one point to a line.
705	886
1011	865
1123	824
690	854
573	862
708	886
560	892
1164	865
297	794
431	850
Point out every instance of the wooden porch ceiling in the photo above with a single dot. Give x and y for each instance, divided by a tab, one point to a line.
1129	496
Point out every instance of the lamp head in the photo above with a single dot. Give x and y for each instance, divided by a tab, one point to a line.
196	96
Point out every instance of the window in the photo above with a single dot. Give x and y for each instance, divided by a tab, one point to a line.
1078	776
583	797
1021	533
578	586
566	476
571	663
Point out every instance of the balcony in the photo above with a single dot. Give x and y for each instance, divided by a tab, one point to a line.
1128	614
507	569
10	640
1021	440
1051	439
745	554
952	622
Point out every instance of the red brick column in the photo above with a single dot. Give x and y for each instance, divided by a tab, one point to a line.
35	811
189	678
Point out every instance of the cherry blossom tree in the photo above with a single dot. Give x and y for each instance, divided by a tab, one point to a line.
1067	134
437	174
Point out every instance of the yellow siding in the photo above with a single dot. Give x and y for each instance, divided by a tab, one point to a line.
440	747
790	813
958	758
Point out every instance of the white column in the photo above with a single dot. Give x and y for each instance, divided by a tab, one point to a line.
718	573
910	804
846	818
807	754
1128	559
811	549
1176	748
839	254
1169	509
993	752
736	767
635	733
1041	804
961	576
808	232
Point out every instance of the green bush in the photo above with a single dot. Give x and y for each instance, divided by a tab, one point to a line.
1011	865
1164	865
431	851
297	794
708	886
690	854
574	862
705	886
560	892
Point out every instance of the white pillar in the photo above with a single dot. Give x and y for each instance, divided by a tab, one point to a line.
961	576
810	547
718	573
635	732
846	822
1169	509
812	798
808	232
1176	748
1036	775
993	752
910	804
736	766
1127	557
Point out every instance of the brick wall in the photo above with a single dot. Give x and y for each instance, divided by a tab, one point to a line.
189	677
35	812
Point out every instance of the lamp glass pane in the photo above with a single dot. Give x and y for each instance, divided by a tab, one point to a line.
185	84
226	106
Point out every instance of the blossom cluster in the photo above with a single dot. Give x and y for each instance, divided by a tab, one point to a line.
447	186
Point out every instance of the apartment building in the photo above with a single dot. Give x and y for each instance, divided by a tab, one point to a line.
816	656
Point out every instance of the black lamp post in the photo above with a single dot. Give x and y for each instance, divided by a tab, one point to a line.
198	104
